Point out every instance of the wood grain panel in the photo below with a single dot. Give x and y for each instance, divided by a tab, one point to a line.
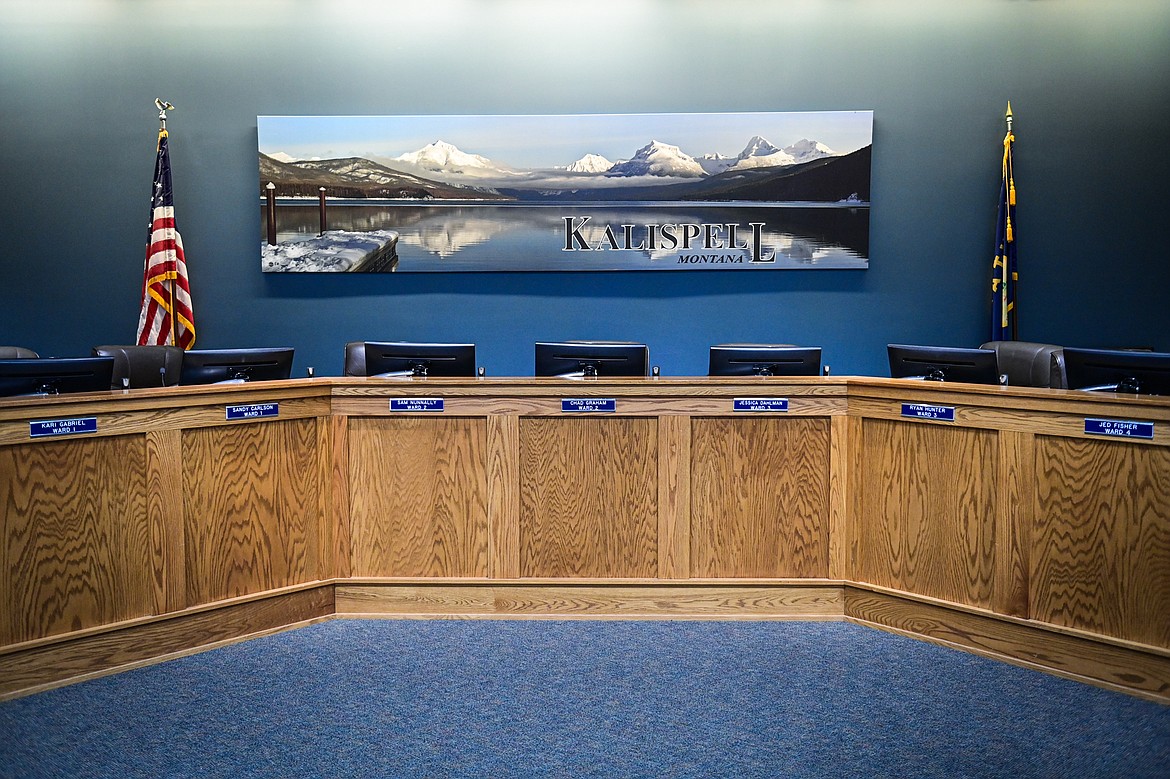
674	497
845	468
252	508
1122	668
418	496
760	497
327	522
589	497
928	510
1016	502
1101	538
608	600
164	506
339	498
77	548
504	496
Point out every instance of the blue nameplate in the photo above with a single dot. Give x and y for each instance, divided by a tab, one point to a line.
416	404
1119	428
589	404
924	411
760	404
54	427
253	411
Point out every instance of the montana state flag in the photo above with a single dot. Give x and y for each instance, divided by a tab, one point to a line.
166	316
1004	273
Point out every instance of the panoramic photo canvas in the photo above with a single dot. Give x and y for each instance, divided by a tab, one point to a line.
731	191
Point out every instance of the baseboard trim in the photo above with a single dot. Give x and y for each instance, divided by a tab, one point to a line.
1125	669
590	601
72	659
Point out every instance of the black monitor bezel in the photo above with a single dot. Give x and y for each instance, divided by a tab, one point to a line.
944	363
764	360
1117	370
219	366
591	359
410	359
31	375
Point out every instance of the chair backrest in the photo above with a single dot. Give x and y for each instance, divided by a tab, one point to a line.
17	353
355	358
143	366
1030	364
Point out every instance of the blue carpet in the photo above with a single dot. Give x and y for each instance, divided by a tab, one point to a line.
583	699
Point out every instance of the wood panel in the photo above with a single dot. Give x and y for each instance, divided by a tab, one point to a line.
1016	502
339	489
504	496
1101	538
928	510
252	508
845	469
164	506
418	496
589	497
760	497
812	601
674	497
76	547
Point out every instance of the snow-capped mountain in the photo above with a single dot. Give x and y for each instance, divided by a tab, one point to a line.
760	153
282	157
805	150
715	162
590	163
659	159
443	157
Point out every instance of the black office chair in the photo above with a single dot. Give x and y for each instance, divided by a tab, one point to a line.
355	358
1030	364
143	366
17	353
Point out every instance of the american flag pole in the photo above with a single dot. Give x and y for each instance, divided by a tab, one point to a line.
163	105
166	315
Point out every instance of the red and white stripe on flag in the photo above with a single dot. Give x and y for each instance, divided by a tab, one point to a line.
166	294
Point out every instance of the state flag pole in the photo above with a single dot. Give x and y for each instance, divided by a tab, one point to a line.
1005	275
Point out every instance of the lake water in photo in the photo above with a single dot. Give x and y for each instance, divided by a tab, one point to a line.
440	237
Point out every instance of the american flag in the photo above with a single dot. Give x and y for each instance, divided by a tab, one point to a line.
166	316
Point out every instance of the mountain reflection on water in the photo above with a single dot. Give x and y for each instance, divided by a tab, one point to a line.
448	238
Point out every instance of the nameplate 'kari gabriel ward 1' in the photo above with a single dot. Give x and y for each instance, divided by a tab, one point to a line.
739	191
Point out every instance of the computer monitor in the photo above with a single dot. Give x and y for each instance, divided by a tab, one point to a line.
1115	370
395	359
52	376
764	360
943	363
221	366
586	359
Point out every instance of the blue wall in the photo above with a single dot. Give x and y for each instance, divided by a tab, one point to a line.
1089	83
